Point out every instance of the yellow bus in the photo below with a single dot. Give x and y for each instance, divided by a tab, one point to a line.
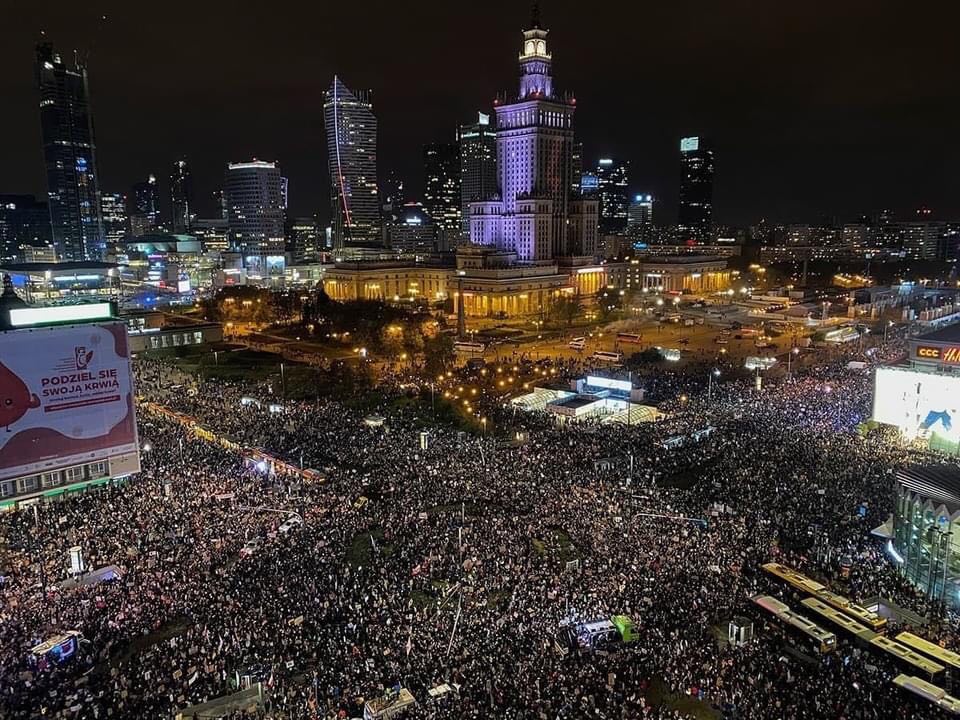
791	576
857	612
927	668
838	618
931	693
804	584
821	640
941	655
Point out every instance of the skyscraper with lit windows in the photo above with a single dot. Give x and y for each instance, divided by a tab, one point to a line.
182	208
536	216
612	181
695	217
478	166
351	130
441	196
70	156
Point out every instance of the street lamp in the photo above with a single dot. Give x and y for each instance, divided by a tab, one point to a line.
713	373
793	351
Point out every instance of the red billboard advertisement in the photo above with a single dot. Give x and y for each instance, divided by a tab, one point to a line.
66	397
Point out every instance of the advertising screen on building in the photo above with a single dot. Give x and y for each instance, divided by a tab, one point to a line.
689	144
918	403
66	397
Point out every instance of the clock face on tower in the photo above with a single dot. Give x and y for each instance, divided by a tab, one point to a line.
530	47
541	47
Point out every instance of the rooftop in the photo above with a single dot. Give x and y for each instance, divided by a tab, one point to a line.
938	483
73	265
948	334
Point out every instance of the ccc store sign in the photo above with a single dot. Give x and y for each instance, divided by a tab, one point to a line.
931	353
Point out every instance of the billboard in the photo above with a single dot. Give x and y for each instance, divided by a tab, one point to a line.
66	397
918	403
689	144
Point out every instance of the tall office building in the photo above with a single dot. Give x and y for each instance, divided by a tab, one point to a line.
612	181
24	222
535	217
640	220
70	156
695	219
352	160
113	210
304	239
576	164
182	208
255	210
145	207
478	166
442	196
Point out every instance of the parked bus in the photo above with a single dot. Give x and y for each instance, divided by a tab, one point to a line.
634	338
919	664
936	695
604	356
820	640
801	582
941	655
467	347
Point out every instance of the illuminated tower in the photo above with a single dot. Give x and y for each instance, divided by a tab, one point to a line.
352	159
535	216
70	155
695	217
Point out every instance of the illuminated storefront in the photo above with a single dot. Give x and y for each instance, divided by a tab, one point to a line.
926	530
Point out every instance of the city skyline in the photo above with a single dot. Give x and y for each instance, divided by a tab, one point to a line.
828	134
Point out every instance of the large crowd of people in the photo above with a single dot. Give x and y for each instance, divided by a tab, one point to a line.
404	562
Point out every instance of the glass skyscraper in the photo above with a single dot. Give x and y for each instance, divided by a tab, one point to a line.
256	213
69	152
352	159
478	166
182	211
145	212
441	164
614	195
113	208
695	220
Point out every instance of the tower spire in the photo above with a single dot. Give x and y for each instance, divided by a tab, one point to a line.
535	14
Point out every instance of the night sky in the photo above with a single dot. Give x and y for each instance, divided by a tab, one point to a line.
815	108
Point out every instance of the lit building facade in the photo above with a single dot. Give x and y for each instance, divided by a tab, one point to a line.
304	239
145	212
182	210
695	217
442	194
113	210
255	208
351	130
926	530
24	225
696	274
612	182
414	231
478	167
640	216
531	218
70	156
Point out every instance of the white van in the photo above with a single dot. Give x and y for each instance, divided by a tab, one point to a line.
578	343
604	356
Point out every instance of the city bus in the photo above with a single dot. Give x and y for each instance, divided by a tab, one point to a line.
605	356
857	612
857	630
468	347
919	664
633	338
801	582
929	692
943	656
822	641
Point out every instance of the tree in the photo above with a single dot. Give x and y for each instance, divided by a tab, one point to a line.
439	354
